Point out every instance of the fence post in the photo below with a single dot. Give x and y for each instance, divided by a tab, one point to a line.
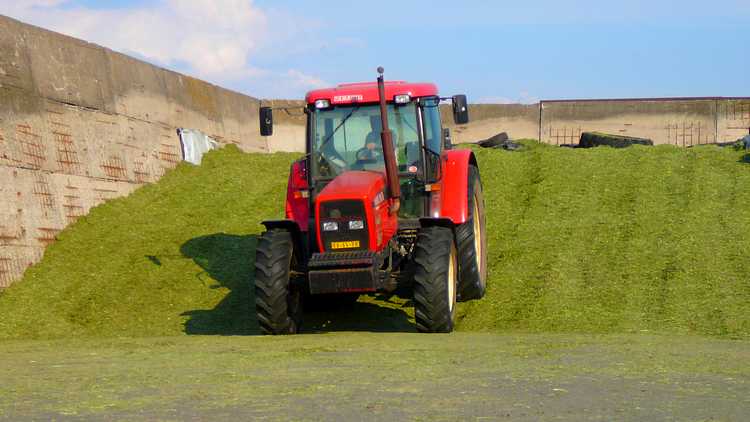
541	108
716	122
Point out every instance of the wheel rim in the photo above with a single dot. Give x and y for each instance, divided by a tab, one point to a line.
452	280
477	234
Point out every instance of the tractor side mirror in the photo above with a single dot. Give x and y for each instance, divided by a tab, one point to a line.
266	121
460	110
447	143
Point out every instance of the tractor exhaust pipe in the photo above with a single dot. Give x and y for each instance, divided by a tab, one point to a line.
391	170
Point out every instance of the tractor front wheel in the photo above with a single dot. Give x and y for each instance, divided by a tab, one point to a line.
277	300
435	280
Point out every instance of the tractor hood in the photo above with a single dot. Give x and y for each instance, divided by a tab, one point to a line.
359	197
354	185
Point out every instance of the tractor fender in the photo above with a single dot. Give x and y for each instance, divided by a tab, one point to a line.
297	193
435	221
292	227
455	184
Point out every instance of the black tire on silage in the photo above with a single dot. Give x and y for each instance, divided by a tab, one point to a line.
595	139
434	305
278	304
472	279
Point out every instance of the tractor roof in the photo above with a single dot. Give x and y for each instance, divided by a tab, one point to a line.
367	92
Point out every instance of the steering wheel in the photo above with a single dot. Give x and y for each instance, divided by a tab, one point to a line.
367	155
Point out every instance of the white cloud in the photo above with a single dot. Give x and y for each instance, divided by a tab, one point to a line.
20	5
291	84
304	80
211	39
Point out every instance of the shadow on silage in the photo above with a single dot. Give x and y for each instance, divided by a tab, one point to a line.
365	315
229	259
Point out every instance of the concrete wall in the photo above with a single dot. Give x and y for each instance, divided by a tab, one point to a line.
733	119
682	122
80	124
518	120
289	122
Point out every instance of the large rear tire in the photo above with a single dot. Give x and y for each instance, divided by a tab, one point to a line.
472	244
278	302
435	280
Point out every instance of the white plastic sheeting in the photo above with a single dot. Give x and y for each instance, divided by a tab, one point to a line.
194	144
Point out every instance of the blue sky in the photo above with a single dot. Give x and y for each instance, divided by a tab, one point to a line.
504	51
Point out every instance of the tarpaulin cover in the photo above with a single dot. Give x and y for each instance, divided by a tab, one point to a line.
194	144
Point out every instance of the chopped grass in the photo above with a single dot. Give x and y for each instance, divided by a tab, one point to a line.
598	241
606	240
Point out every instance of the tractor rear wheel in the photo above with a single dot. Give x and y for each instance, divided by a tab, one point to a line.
435	280
472	244
277	300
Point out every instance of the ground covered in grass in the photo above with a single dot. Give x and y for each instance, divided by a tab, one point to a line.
598	241
382	376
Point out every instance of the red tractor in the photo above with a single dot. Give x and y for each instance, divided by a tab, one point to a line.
380	202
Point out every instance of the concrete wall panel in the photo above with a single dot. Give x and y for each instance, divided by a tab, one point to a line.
22	124
35	206
240	123
80	124
68	70
486	120
289	122
676	122
15	67
14	260
139	88
287	137
733	120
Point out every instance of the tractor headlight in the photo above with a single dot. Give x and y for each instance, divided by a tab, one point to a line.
330	226
356	225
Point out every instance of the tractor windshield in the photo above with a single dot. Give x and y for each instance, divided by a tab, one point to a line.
348	138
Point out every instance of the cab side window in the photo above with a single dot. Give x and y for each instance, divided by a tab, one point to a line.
433	129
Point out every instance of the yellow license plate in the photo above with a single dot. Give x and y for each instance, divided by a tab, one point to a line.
345	245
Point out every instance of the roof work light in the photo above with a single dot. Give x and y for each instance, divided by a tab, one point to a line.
322	104
402	99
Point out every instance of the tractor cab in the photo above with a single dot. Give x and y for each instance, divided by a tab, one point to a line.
344	135
379	174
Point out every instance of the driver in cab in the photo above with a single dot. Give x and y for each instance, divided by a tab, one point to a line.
373	146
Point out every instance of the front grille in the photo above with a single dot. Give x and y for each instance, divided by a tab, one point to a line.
343	239
345	280
342	259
